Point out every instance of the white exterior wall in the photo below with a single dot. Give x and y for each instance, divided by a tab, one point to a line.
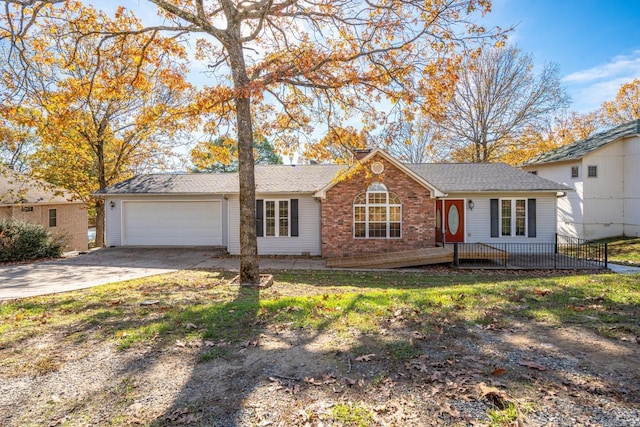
308	241
478	220
605	206
604	194
632	187
570	211
113	216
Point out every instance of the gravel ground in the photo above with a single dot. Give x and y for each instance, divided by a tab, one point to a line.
456	375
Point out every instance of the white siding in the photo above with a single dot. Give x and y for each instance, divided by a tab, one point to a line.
478	220
570	215
604	194
113	222
605	206
632	187
308	241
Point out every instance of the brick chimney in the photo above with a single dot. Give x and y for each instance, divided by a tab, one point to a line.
361	153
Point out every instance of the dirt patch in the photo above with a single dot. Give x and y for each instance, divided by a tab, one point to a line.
455	374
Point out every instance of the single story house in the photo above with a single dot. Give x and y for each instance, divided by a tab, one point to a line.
53	208
604	172
379	205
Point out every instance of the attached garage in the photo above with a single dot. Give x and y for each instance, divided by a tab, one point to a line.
172	223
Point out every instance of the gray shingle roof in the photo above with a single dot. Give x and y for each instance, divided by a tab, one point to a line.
472	177
579	149
20	189
269	179
310	178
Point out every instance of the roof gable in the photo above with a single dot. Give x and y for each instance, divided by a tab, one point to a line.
401	166
581	148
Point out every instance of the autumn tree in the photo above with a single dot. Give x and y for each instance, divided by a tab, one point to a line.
561	129
337	145
284	64
221	154
18	139
625	107
498	96
287	64
414	140
111	105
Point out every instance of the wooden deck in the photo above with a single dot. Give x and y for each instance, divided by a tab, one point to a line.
399	259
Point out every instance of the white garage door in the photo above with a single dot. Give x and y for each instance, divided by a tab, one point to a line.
180	223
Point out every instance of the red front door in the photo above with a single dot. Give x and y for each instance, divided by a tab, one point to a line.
450	219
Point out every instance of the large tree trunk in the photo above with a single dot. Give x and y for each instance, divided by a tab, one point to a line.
249	268
99	205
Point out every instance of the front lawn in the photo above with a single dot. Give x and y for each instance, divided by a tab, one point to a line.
624	250
355	338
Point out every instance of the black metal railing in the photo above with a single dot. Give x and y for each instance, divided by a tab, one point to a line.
565	253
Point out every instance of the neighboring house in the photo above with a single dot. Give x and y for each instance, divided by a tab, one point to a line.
604	171
35	201
381	205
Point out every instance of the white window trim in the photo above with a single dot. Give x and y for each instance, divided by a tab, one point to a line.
366	206
277	217
513	218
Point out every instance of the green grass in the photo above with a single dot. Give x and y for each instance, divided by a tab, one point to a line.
503	417
625	250
350	414
200	306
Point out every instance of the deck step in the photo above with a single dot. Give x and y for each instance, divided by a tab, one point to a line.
411	258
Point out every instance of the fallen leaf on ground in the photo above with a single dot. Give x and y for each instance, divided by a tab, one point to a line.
499	371
365	358
327	379
532	365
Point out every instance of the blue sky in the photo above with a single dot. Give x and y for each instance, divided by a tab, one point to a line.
596	43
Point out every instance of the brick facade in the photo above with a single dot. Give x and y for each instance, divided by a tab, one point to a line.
71	221
418	214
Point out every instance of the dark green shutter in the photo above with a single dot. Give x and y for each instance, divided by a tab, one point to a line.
294	218
531	215
495	218
259	218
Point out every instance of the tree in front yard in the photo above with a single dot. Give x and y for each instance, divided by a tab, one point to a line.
283	65
110	105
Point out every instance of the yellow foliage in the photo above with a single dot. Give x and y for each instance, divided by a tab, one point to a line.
625	107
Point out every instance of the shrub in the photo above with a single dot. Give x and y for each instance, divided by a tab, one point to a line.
21	240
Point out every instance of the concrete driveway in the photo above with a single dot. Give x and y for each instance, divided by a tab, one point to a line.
108	265
98	267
